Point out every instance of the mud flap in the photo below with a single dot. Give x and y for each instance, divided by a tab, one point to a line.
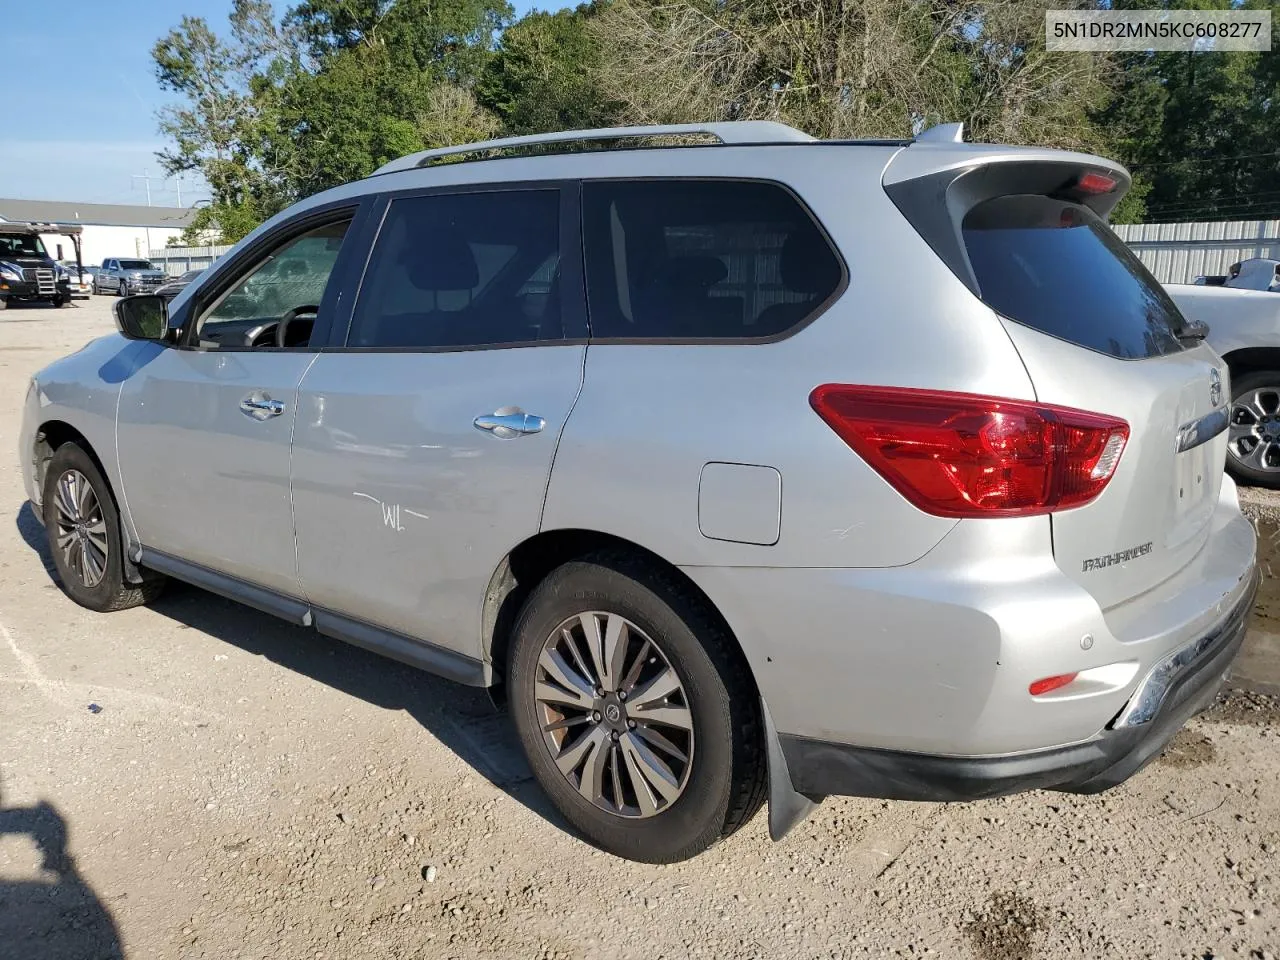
786	806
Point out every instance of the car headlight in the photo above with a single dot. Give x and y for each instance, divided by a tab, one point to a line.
9	272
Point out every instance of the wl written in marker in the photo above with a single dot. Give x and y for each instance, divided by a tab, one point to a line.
391	512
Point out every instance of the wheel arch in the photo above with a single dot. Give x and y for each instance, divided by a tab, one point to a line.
1252	359
51	435
530	562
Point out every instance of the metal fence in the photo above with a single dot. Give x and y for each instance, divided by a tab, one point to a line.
1180	252
178	260
1174	252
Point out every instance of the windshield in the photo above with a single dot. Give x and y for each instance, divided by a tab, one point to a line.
136	265
21	245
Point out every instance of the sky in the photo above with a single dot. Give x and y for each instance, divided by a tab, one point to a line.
86	129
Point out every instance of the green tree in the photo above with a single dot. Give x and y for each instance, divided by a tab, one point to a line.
1199	130
545	74
444	39
850	68
390	77
229	87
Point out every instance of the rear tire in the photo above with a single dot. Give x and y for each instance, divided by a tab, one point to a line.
719	785
1255	420
85	535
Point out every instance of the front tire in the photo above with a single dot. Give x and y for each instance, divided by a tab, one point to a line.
635	709
123	289
1253	445
83	525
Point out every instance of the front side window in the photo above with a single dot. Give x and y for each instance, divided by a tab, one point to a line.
459	270
288	285
703	259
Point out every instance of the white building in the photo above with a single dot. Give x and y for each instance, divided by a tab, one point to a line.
110	229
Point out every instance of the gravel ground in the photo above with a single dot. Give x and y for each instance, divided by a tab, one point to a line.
200	780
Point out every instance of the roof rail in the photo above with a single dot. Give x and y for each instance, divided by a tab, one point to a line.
731	132
943	133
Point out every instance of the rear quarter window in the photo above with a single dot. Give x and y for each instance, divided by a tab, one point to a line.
1055	266
703	260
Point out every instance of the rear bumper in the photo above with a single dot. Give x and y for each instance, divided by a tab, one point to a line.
1175	689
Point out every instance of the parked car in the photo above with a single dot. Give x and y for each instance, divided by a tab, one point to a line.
127	277
79	280
788	528
174	286
1244	327
1258	273
1210	280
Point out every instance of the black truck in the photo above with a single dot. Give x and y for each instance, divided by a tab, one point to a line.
27	272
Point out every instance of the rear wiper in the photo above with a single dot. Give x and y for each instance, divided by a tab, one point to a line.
1193	332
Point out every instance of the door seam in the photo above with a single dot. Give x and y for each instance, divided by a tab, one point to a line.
555	453
293	512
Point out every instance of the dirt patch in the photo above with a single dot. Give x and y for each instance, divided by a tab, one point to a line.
1188	749
1242	708
1004	930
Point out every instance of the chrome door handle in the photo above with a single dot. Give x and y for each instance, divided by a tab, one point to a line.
509	425
261	407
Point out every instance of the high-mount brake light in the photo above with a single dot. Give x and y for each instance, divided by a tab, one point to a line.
1095	183
966	455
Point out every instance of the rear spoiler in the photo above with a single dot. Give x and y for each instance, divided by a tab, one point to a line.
936	200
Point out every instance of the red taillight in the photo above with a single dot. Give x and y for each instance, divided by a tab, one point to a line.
1095	183
1051	683
964	455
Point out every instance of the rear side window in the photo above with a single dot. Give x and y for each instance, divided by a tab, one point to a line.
1055	266
458	270
702	259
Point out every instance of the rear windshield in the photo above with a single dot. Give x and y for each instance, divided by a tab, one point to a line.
1056	267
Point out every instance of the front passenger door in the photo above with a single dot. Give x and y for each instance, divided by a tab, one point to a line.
204	428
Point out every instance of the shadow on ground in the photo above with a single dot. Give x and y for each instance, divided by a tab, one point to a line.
462	718
18	312
53	915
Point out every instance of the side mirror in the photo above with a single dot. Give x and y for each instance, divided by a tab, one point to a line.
1193	332
142	317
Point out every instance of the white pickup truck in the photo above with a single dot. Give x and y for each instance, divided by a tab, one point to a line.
1244	328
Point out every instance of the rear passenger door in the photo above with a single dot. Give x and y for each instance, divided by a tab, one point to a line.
425	440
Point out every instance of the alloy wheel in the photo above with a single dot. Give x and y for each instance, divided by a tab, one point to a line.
1254	437
81	534
614	715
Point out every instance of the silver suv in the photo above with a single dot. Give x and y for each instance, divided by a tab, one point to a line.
746	465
